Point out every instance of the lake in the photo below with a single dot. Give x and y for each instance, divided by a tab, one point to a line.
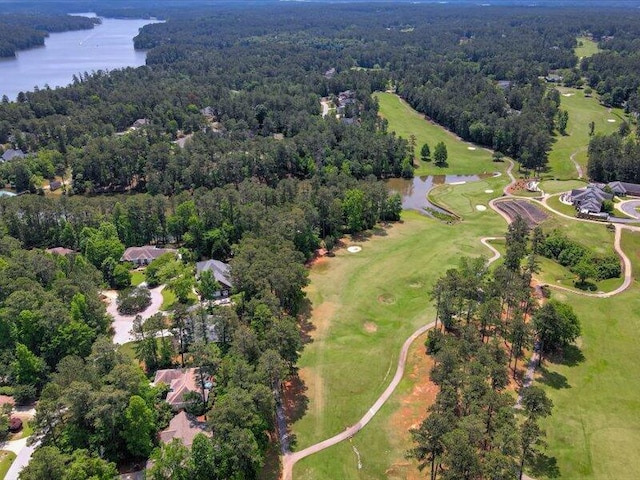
105	47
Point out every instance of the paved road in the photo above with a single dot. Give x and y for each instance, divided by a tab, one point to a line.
629	207
22	458
122	324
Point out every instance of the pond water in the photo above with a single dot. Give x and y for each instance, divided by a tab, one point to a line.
105	47
414	190
6	193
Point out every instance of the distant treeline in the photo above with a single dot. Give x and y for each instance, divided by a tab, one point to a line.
21	31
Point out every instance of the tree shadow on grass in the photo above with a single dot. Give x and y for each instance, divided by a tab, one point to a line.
544	465
554	380
304	321
569	356
587	286
295	403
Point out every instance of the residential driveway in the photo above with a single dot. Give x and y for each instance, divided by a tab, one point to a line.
22	459
629	207
122	324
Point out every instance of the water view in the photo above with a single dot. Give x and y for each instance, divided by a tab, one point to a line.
414	190
106	47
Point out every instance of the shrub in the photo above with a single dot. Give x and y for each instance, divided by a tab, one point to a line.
24	394
133	300
6	390
607	267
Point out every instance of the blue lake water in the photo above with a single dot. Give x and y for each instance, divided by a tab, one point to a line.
106	47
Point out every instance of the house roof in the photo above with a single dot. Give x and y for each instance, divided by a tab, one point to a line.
12	153
184	427
146	252
208	112
60	251
141	122
180	382
7	399
221	271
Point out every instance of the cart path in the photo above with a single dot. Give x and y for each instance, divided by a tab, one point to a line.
290	458
572	157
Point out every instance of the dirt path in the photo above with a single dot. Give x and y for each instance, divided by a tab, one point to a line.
578	166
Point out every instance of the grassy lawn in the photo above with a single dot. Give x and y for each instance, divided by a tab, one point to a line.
586	47
6	459
405	121
364	306
137	277
582	110
169	298
560	186
552	273
555	203
594	431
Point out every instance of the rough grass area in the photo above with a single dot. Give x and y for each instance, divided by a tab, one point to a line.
405	121
594	430
6	459
552	273
582	110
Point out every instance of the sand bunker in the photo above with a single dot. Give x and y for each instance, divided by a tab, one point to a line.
611	120
568	94
471	148
488	191
481	208
457	183
354	249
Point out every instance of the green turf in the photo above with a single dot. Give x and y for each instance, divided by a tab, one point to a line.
553	273
405	121
582	110
555	186
6	459
555	203
594	431
346	367
137	277
169	298
586	47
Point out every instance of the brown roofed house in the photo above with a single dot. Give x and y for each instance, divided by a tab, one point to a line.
183	427
144	255
180	382
59	251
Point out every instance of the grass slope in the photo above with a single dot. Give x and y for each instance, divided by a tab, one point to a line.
405	121
6	459
586	47
582	110
595	429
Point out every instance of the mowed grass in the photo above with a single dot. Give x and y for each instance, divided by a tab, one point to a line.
594	431
364	306
137	277
582	111
405	121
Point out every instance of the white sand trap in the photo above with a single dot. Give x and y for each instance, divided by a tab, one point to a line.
457	183
471	148
611	120
354	249
481	208
568	94
488	191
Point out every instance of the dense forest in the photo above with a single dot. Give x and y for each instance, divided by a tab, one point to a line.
218	147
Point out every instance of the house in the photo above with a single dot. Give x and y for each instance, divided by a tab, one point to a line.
183	427
60	251
208	112
141	122
7	399
12	154
504	84
330	73
622	189
589	199
553	78
221	272
180	383
54	185
144	255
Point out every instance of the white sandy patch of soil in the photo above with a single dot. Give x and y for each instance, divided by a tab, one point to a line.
481	208
611	120
488	191
354	249
471	148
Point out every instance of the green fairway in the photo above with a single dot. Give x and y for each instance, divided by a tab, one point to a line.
464	158
582	110
586	47
594	430
555	186
364	307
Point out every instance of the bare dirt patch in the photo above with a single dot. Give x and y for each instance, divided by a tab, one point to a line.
411	411
370	327
314	382
321	318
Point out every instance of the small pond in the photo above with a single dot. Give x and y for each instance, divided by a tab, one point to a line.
6	193
414	190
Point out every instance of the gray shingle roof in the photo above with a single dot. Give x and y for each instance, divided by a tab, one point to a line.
221	271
